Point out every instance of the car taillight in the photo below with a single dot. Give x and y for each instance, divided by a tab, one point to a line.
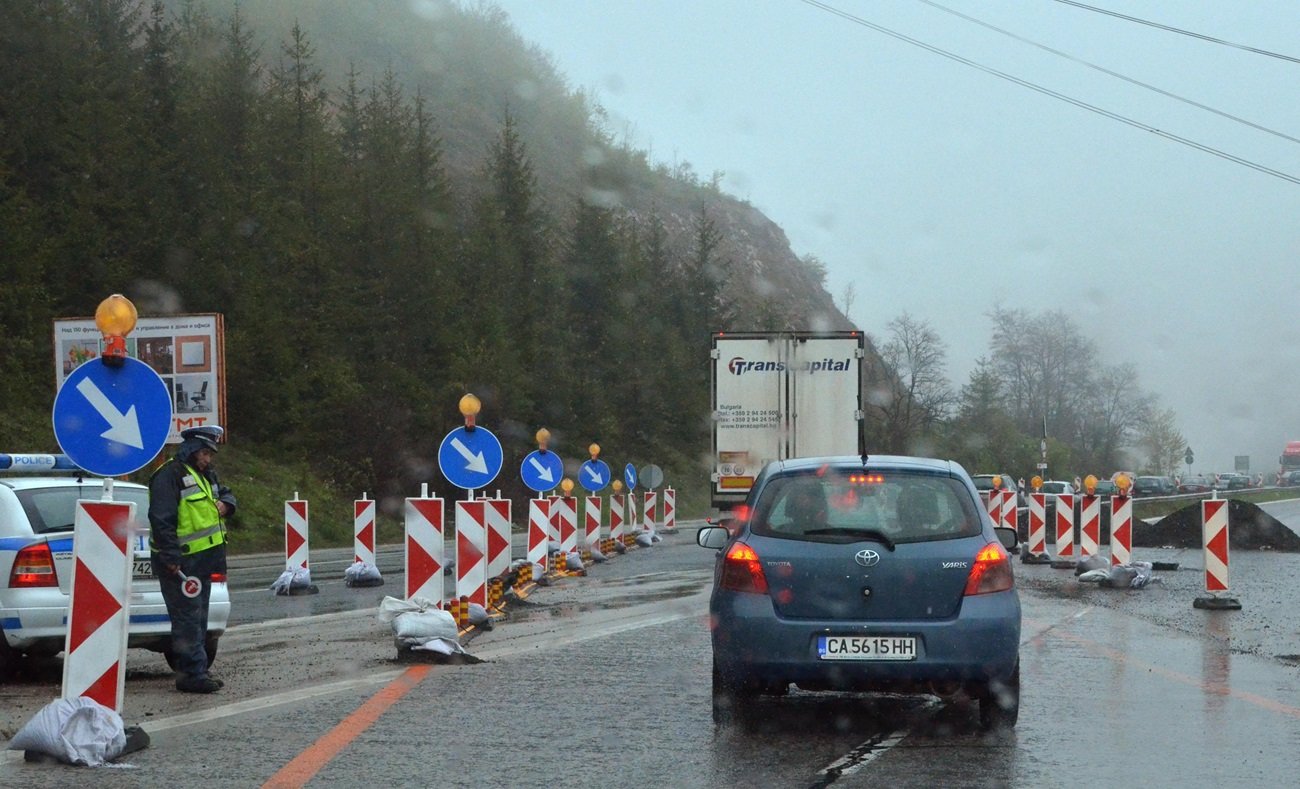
991	571
218	578
33	567
741	570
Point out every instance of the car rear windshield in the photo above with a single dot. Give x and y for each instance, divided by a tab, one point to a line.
848	505
53	509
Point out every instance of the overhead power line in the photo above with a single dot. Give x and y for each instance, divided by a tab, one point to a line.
1180	31
857	20
1109	72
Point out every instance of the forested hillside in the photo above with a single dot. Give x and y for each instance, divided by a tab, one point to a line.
390	208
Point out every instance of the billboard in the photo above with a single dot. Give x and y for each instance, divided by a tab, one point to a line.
187	352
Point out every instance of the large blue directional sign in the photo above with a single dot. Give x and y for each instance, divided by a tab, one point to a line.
542	471
112	420
629	476
594	475
470	459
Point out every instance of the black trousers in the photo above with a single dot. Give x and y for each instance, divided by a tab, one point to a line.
189	616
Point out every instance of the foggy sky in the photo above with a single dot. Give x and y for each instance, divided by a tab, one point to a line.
942	191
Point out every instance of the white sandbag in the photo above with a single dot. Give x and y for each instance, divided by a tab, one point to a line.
478	615
552	548
441	646
74	731
390	607
1119	577
361	573
418	627
292	578
1090	563
1094	576
644	539
538	571
597	556
573	561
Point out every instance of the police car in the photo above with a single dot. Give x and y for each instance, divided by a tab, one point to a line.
38	496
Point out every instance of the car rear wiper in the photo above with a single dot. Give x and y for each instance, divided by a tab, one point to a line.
864	534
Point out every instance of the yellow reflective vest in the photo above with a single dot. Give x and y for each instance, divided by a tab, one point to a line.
198	524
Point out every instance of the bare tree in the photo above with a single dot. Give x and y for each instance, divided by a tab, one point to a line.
1160	439
913	393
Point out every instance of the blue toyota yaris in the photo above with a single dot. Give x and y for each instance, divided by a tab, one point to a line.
865	574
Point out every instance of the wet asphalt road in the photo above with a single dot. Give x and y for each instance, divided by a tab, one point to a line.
603	681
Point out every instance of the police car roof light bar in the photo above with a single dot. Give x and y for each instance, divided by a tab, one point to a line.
37	463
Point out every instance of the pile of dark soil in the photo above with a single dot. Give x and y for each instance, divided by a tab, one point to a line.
1249	529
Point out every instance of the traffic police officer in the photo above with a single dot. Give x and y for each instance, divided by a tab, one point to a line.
187	508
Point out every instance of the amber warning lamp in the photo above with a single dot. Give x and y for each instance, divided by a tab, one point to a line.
1090	485
469	407
566	485
543	439
115	318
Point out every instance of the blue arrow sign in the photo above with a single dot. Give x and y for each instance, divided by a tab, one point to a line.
629	476
542	471
112	420
594	475
470	459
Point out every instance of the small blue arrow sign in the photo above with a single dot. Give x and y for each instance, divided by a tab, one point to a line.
629	476
594	475
470	459
542	471
112	420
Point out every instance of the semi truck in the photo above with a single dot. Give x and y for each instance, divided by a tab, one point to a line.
781	395
1290	461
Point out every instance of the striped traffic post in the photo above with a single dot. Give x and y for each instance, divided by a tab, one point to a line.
94	664
1064	531
1214	536
425	550
1037	528
617	512
592	514
539	531
991	500
498	536
567	506
1121	530
1089	525
471	551
553	519
648	522
1009	512
295	534
670	510
363	530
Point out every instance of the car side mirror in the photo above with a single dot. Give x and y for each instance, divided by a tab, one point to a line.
714	537
1007	537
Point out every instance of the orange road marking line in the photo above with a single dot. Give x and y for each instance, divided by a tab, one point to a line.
306	764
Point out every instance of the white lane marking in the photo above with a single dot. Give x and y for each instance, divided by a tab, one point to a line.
861	756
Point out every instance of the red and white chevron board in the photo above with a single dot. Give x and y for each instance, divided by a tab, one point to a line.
539	531
1065	524
1121	530
363	531
94	664
591	518
670	509
471	551
992	502
498	537
295	534
1038	524
553	519
425	548
1089	525
648	523
567	506
617	511
1009	512
1214	532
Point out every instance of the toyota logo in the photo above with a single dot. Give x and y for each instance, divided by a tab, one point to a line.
867	558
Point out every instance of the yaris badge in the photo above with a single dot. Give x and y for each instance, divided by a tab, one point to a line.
867	558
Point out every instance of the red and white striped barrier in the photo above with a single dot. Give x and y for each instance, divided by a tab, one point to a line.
567	508
986	498
1089	525
1038	524
592	513
363	530
1065	525
539	531
471	551
425	548
651	504
617	513
1009	512
670	510
553	519
1214	532
295	534
1121	530
99	609
498	537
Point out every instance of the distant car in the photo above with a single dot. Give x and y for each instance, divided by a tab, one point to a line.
1105	487
36	522
1233	481
1154	486
1291	478
880	575
984	482
1196	483
1056	487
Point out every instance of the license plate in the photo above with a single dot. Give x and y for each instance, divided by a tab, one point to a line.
143	568
866	647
